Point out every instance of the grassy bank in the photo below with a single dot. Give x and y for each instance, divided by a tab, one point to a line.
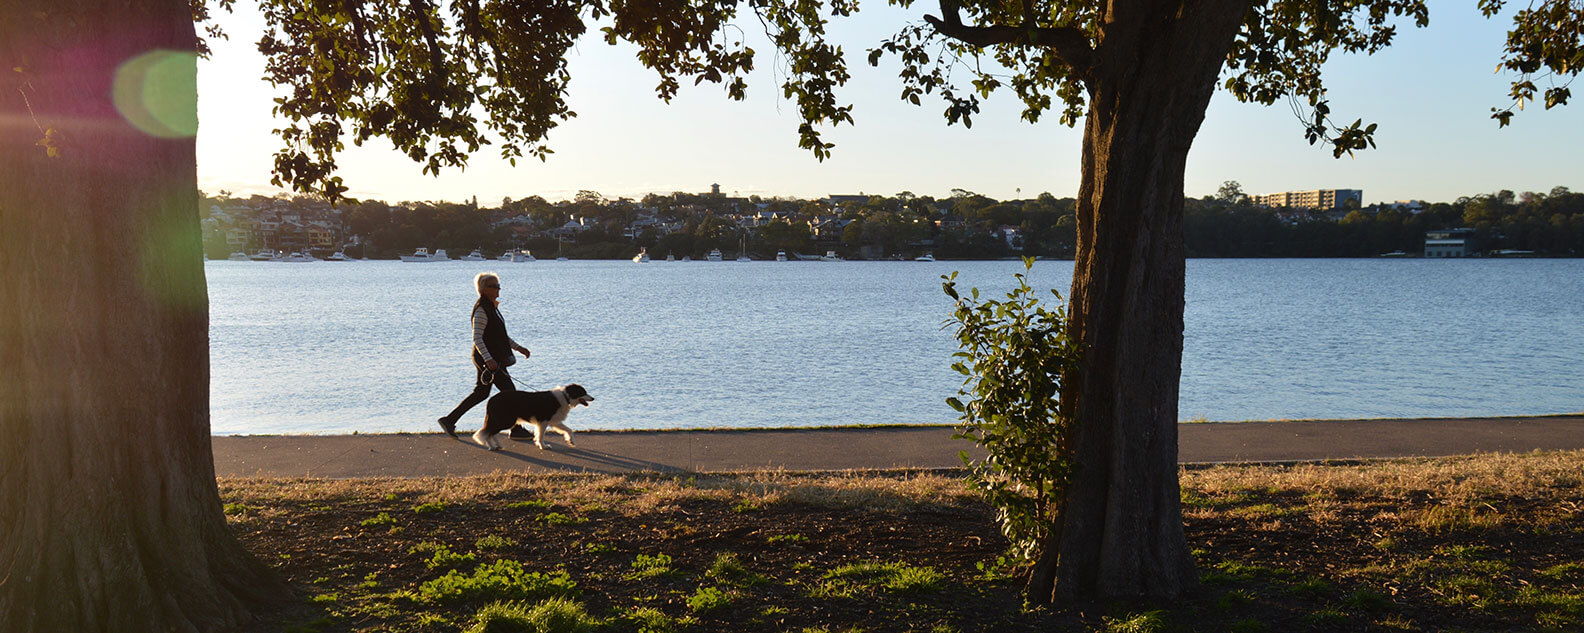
1487	543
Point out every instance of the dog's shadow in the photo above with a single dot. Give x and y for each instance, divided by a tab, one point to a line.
598	461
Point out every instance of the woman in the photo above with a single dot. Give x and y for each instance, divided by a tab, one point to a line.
492	351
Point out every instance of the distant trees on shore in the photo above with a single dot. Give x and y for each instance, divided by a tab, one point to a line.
965	225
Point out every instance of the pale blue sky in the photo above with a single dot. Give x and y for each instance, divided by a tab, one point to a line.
1431	92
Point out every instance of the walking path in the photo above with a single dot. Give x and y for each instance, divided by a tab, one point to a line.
434	454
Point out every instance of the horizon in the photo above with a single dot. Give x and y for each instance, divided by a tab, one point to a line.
627	143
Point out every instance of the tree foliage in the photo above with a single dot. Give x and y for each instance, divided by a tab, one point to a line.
1014	353
442	79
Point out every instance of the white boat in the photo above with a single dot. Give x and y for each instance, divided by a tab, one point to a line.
339	256
297	257
516	257
781	256
475	256
423	256
239	256
559	256
742	250
927	257
831	256
744	258
687	258
1394	254
670	257
714	255
264	255
642	257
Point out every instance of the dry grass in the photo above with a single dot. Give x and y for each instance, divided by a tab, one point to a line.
629	494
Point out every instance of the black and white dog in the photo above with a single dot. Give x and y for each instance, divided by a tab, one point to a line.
539	409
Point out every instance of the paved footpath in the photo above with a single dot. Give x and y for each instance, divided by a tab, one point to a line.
434	454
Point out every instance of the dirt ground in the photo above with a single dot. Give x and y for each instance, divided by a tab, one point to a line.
1467	544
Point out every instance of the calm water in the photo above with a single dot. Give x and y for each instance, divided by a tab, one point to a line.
382	346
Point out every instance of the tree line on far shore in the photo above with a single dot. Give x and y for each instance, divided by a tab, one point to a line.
965	225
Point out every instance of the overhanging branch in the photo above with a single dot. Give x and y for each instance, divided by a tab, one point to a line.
1070	45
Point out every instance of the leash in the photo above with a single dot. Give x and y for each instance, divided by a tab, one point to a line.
487	377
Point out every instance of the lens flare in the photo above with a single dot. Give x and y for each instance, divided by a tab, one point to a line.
157	92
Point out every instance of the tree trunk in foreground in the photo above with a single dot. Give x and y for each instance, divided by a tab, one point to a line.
110	518
1120	534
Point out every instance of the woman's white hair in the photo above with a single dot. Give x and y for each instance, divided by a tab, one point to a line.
478	281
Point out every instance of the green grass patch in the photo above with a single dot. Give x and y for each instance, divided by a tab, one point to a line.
501	580
383	519
556	615
728	570
648	620
441	556
494	542
900	578
556	518
429	508
787	538
1146	622
236	509
536	504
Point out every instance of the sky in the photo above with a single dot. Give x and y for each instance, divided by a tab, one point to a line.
1430	92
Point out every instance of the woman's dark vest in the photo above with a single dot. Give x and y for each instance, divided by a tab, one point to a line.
495	339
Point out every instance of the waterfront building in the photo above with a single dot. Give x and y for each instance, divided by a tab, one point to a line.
1451	243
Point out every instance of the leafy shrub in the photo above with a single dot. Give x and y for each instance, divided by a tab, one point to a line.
646	566
501	580
1014	354
707	599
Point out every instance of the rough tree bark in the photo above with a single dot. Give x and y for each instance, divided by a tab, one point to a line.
110	518
1120	533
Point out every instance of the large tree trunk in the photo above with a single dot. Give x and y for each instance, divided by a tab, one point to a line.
110	519
1120	534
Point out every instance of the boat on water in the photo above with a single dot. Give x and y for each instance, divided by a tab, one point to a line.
516	256
927	257
239	256
831	256
339	256
687	258
264	255
475	256
781	256
423	256
1394	254
670	257
297	257
642	257
742	250
714	255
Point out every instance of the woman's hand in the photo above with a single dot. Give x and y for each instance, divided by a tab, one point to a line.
491	364
524	352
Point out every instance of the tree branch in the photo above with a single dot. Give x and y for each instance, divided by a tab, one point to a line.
1070	45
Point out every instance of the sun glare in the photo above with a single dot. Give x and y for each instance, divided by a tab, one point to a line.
157	92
